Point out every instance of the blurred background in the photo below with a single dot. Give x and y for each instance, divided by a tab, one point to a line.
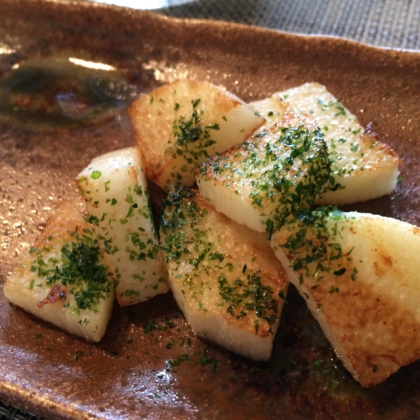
384	23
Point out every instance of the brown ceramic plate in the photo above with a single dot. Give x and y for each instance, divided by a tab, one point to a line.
150	364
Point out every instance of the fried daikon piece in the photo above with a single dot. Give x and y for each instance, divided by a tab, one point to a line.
181	124
62	278
117	200
359	275
225	277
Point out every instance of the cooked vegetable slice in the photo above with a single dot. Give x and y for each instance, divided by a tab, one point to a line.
365	167
62	278
181	124
359	275
224	276
259	182
117	200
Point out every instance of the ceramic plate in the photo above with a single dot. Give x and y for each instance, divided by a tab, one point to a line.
67	72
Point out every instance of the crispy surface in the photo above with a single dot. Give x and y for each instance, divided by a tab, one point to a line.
240	182
206	119
224	277
72	301
366	167
370	313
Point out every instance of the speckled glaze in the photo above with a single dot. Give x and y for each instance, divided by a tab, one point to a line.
150	365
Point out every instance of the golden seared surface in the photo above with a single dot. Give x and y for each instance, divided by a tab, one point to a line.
365	166
366	297
241	182
224	276
62	278
181	124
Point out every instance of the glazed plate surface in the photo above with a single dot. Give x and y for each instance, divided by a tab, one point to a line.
150	364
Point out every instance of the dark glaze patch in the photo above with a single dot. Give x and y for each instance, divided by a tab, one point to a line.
62	92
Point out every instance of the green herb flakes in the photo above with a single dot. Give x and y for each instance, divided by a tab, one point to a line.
96	174
77	355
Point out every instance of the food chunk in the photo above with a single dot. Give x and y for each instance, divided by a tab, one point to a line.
225	277
359	275
181	124
365	167
62	278
115	189
271	109
258	182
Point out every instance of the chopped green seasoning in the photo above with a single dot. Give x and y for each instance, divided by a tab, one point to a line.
77	355
96	174
185	240
285	172
191	138
312	245
79	268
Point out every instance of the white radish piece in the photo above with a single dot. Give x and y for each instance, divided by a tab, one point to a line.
224	277
62	278
181	124
115	190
